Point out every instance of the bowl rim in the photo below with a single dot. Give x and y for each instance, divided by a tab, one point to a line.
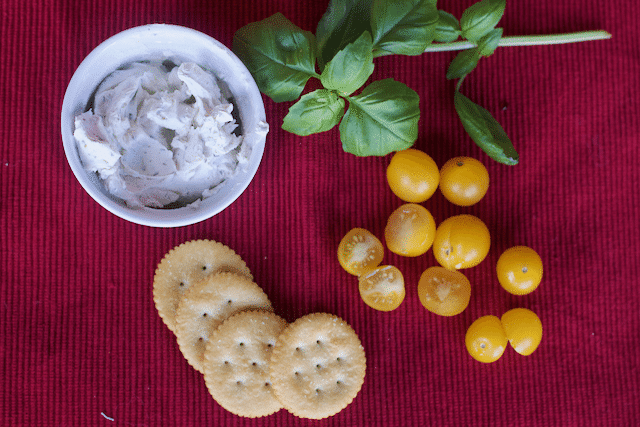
206	208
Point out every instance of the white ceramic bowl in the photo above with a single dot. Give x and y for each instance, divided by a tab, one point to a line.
182	44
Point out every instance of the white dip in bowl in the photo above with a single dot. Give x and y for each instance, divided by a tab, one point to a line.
163	125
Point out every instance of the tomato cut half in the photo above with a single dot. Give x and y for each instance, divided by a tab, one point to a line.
444	292
382	288
360	251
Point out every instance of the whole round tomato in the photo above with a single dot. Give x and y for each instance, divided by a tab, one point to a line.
519	270
413	175
444	292
461	241
360	251
410	230
523	329
485	339
464	181
382	288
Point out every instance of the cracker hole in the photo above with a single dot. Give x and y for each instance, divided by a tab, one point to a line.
204	315
319	366
269	345
297	348
338	359
267	385
226	362
200	339
239	383
181	284
339	382
254	364
229	302
241	344
318	391
318	342
296	373
204	267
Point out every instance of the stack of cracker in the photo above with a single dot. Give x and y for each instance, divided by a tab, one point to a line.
253	362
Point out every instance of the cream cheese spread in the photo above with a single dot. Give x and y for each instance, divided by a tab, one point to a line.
160	134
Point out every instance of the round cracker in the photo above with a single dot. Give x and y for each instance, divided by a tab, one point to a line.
207	304
236	363
317	366
186	265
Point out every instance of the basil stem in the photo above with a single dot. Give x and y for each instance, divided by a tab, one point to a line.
541	40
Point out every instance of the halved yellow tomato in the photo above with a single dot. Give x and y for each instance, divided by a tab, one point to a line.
360	251
382	288
444	292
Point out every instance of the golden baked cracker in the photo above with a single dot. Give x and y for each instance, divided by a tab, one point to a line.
236	363
207	304
317	366
187	264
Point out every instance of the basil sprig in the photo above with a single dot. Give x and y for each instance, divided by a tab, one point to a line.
382	117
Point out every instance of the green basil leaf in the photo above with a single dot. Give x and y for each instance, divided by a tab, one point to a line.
402	27
480	18
342	23
351	67
447	29
315	112
463	63
279	55
489	42
381	119
485	131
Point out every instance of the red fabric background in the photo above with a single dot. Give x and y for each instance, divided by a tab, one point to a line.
81	342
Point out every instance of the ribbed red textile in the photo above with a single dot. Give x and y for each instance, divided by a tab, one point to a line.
81	343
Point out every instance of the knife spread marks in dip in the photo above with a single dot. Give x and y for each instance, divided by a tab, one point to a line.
160	134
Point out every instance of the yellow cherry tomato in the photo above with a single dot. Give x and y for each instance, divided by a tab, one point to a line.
486	339
360	251
464	181
461	241
413	175
444	292
523	329
382	288
519	270
410	230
